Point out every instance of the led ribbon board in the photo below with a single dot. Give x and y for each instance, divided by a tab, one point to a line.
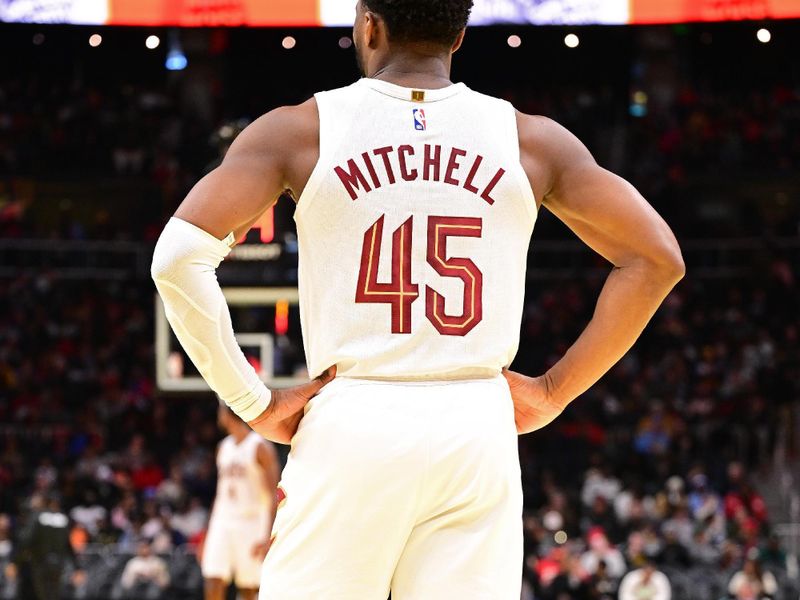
286	13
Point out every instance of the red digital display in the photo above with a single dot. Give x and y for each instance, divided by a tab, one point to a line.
671	11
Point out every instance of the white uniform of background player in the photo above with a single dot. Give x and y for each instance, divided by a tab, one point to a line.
241	519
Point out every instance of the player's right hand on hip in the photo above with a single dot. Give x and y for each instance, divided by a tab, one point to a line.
279	422
533	407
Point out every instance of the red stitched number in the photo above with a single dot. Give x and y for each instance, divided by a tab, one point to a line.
439	229
401	292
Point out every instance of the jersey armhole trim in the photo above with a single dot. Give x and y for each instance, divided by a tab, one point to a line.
316	177
529	198
328	135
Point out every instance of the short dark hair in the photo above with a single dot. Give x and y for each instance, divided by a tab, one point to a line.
437	21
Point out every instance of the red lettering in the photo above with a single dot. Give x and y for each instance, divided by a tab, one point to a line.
439	229
452	165
384	154
471	177
432	161
486	192
371	168
352	179
400	292
404	172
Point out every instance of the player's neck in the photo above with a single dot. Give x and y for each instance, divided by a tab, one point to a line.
413	69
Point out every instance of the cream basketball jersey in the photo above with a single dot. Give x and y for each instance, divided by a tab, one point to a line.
241	488
413	234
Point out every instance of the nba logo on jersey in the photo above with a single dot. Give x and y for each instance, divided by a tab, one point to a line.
419	119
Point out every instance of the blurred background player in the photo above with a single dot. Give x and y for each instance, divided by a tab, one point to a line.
244	509
44	549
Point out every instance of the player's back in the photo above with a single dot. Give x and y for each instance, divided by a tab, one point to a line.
413	233
241	491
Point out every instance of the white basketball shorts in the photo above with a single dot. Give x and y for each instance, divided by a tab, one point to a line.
228	550
408	487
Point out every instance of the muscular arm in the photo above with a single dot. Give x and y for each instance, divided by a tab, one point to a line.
275	154
611	217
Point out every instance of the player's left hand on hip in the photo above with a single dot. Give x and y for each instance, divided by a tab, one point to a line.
279	422
533	408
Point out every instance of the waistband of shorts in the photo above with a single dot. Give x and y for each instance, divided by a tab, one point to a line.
343	381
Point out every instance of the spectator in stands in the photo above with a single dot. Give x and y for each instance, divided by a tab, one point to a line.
167	539
772	555
673	554
601	515
560	575
702	551
89	513
655	431
153	521
602	583
646	583
191	519
703	502
679	526
173	489
633	508
145	576
601	551
752	583
132	535
6	545
599	482
106	534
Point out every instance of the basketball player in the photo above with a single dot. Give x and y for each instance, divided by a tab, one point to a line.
416	199
244	509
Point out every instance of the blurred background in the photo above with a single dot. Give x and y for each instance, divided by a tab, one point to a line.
684	460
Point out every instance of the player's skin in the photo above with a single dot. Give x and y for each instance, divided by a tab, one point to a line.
267	457
277	153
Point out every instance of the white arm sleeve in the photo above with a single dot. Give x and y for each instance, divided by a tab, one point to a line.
184	271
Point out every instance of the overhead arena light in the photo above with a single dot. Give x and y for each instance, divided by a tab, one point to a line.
176	59
571	40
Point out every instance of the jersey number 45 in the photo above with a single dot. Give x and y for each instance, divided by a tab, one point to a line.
401	291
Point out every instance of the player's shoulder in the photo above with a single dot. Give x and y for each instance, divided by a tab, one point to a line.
256	441
223	445
291	124
540	131
264	448
547	150
547	141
